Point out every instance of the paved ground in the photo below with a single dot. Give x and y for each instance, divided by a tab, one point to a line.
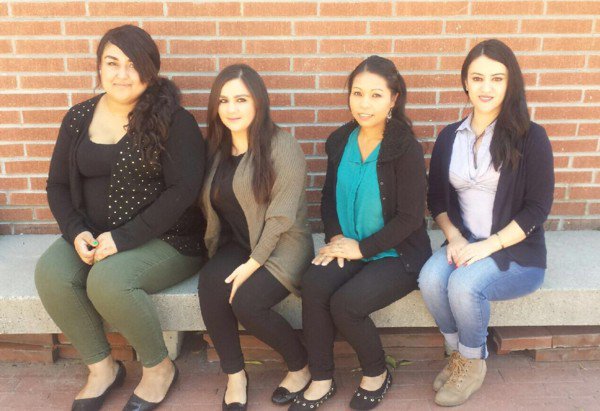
514	382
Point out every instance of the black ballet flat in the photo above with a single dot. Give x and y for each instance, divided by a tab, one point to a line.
237	406
367	400
136	403
282	395
94	404
302	404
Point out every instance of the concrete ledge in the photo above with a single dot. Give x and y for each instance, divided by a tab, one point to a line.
571	290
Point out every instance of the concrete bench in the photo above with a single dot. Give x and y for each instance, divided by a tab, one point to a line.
570	294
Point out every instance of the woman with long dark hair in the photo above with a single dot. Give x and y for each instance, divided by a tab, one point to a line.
257	234
124	176
373	208
491	185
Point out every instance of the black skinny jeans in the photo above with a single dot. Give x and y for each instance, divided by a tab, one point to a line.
251	306
343	298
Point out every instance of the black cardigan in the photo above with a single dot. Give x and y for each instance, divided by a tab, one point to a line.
145	201
524	194
403	187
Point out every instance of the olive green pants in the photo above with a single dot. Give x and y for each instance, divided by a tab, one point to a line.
77	296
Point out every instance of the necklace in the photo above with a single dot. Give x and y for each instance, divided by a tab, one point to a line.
477	138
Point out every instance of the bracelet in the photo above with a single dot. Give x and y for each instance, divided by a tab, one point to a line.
499	240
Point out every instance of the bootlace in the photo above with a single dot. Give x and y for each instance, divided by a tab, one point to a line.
453	357
460	368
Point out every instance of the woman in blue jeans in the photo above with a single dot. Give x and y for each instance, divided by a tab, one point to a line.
491	184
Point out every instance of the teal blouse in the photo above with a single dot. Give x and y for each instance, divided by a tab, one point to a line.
358	201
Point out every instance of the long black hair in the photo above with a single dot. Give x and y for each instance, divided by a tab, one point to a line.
512	124
150	119
395	82
261	131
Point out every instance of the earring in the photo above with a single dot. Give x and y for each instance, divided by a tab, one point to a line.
389	115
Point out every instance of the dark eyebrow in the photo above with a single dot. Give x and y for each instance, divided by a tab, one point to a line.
238	96
497	74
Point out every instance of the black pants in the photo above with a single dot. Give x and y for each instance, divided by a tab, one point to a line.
343	298
251	306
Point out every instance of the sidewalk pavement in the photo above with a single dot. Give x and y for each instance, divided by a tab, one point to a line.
513	382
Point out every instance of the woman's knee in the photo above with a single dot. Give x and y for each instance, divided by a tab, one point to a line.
246	306
344	306
463	287
433	277
313	287
53	273
105	283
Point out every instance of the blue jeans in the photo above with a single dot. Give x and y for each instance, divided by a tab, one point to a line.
459	298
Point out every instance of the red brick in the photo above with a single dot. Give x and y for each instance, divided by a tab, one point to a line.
317	164
204	9
584	193
375	8
283	100
563	113
573	145
6	229
333	82
6	47
517	44
522	338
289	82
406	63
573	7
46	116
42	214
125	9
443	115
560	130
206	46
33	100
320	99
258	64
317	132
30	339
15	214
333	116
568	208
594	209
9	117
193	82
52	46
38	183
94	28
591	96
579	44
118	353
561	161
481	26
25	167
25	64
293	116
594	61
428	8
568	354
417	27
553	96
290	47
453	97
11	352
435	45
255	28
82	64
28	228
320	64
24	28
57	82
11	150
3	198
575	336
373	46
260	9
30	134
411	337
181	28
517	8
571	177
54	9
586	223
586	162
3	10
569	79
330	28
554	62
556	26
28	199
39	150
13	183
424	131
8	82
587	129
416	353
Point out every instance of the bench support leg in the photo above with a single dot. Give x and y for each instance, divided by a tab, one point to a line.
173	341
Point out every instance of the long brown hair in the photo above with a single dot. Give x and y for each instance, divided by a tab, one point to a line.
150	119
512	124
261	131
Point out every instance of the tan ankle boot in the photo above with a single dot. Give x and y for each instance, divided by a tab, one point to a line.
466	378
444	375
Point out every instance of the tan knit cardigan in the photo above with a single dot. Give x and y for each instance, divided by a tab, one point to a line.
280	238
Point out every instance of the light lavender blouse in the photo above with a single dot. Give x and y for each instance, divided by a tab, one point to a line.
476	187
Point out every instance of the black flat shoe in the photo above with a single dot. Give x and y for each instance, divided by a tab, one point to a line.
237	406
282	396
94	404
136	403
302	404
367	400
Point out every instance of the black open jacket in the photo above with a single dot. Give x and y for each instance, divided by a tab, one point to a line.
524	194
146	201
403	189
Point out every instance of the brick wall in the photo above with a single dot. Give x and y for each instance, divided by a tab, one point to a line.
304	51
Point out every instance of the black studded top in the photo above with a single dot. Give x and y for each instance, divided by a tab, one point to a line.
145	201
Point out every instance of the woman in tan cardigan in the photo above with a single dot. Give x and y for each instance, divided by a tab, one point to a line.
257	235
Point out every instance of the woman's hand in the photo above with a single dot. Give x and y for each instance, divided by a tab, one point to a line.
241	274
454	247
323	259
82	244
106	247
477	251
342	248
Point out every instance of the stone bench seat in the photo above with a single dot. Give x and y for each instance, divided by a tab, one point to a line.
570	294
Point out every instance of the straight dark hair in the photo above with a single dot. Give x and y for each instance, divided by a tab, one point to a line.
261	131
150	119
512	124
395	82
